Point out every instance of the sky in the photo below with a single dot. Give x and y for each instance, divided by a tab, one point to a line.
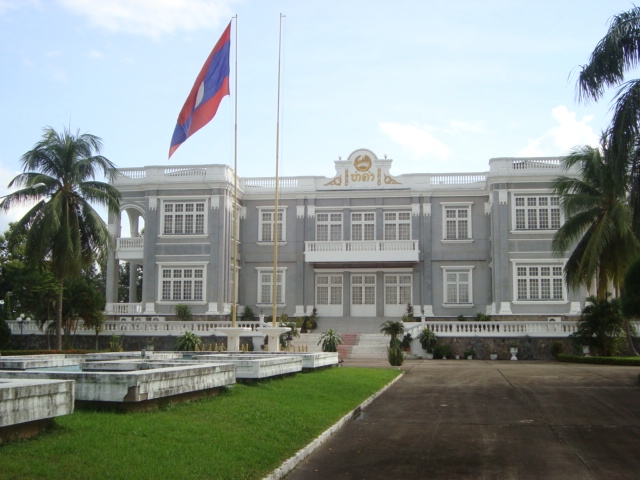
437	86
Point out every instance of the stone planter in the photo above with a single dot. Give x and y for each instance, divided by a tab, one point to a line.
493	356
514	353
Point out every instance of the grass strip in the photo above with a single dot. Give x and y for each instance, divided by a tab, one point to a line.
244	433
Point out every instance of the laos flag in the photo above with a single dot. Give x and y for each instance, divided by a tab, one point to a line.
211	85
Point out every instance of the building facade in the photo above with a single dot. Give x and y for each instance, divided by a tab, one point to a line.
361	243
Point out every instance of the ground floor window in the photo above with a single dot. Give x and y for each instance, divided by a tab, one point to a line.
539	283
458	287
329	289
363	289
397	289
180	283
265	286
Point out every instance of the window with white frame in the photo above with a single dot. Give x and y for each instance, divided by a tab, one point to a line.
182	283
328	227
539	283
458	285
456	224
537	212
183	218
363	226
363	289
397	289
329	289
397	225
265	286
265	230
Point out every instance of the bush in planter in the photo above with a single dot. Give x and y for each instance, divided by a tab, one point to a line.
395	356
469	353
330	341
428	340
188	342
461	318
600	326
408	314
183	312
406	342
482	317
442	351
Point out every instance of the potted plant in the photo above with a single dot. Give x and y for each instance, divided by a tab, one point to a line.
330	341
493	356
406	342
469	353
442	351
428	340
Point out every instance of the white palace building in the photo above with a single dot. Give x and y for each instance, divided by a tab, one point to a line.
360	243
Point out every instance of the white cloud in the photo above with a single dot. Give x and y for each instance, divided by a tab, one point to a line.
456	126
152	17
416	139
559	140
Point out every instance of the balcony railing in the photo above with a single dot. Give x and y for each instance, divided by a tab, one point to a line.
456	328
129	248
123	308
365	251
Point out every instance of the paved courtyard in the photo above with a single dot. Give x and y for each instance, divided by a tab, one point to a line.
495	420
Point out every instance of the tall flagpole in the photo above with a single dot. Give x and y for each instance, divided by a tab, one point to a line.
234	305
274	291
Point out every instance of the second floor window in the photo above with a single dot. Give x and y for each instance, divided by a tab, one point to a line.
328	227
265	233
397	226
535	212
363	226
457	222
183	218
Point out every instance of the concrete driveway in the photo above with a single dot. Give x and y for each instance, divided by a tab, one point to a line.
460	419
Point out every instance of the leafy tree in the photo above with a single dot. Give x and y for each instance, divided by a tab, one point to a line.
631	293
598	221
62	228
614	56
600	326
123	284
394	329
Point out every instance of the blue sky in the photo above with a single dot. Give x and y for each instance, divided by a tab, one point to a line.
438	86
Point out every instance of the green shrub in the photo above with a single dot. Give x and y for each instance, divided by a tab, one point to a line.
408	314
330	341
115	343
442	351
5	333
461	318
556	349
183	312
631	294
600	326
247	315
395	356
394	330
428	340
482	317
406	340
188	342
469	353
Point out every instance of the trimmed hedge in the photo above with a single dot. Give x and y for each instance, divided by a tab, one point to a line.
621	361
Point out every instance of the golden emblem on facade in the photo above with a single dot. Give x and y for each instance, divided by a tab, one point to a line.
362	163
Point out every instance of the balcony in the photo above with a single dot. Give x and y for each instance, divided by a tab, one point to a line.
129	248
367	251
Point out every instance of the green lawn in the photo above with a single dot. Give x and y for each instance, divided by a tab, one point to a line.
244	433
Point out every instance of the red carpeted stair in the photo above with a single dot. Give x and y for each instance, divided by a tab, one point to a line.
348	341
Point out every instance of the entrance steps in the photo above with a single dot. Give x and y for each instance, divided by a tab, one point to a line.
344	325
370	345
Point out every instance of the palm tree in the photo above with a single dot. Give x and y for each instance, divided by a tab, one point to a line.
62	228
616	54
394	330
598	221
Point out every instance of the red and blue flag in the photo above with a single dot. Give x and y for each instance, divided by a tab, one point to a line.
211	85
